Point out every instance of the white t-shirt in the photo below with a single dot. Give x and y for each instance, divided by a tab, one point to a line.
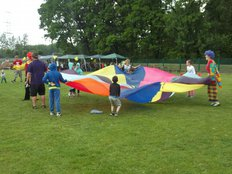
191	69
127	68
3	74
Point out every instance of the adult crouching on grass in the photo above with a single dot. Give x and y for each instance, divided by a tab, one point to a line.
35	73
214	75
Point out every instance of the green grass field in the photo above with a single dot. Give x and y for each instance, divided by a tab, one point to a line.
178	136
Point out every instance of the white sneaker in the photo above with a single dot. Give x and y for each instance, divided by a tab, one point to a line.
51	113
211	104
216	104
58	114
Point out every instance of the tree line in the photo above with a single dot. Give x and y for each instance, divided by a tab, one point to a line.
11	46
139	29
151	29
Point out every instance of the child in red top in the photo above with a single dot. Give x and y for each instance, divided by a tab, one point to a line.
17	61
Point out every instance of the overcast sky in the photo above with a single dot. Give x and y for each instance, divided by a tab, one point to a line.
21	16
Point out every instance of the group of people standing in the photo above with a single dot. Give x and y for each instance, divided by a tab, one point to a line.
77	68
17	72
37	69
38	74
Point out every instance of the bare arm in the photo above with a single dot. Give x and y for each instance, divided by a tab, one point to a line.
28	78
136	66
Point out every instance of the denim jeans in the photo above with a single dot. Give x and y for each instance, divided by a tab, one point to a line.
54	98
3	79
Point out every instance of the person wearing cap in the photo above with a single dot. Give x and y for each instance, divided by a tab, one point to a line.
27	85
35	73
211	68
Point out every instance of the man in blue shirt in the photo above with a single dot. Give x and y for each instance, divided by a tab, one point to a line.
35	73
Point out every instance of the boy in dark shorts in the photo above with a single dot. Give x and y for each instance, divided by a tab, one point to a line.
114	96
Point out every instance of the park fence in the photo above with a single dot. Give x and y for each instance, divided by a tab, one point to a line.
171	65
178	64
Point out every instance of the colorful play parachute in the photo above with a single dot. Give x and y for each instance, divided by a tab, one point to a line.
144	85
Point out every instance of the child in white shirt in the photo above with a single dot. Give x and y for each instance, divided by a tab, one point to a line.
191	70
3	76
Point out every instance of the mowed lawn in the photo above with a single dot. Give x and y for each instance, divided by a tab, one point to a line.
178	136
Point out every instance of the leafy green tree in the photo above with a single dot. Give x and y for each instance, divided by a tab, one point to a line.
218	14
139	28
10	46
184	28
64	22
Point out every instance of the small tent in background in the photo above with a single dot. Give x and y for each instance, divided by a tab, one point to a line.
67	56
113	56
104	60
72	57
97	61
47	57
96	56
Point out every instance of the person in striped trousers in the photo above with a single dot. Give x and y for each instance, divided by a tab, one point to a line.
213	73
